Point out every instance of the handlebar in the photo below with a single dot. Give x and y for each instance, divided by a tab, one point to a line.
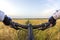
18	26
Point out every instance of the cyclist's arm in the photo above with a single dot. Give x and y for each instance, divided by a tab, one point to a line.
51	21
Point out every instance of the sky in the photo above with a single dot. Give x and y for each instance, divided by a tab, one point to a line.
29	8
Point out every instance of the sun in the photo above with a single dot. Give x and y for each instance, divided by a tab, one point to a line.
6	7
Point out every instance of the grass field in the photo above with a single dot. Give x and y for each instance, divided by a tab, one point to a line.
7	33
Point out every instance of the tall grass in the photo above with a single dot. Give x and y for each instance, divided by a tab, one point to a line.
7	33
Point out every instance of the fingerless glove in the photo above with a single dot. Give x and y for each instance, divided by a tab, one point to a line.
7	20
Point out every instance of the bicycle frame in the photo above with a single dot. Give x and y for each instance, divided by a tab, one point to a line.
30	32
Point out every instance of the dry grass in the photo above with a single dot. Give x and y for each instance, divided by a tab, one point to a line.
7	33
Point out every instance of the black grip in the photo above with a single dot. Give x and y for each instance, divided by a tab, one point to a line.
44	26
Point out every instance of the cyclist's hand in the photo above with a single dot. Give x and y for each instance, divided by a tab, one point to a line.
7	20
